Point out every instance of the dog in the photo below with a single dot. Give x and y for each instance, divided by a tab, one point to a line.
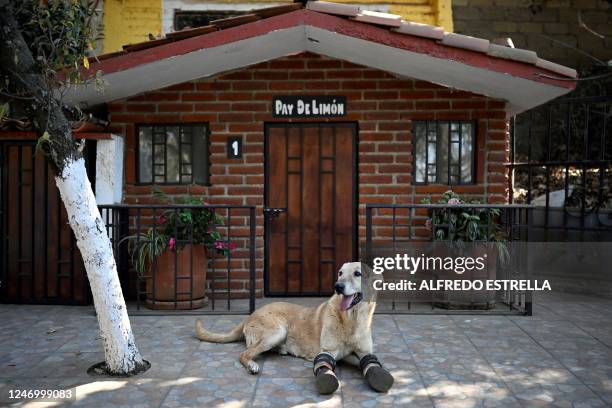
338	329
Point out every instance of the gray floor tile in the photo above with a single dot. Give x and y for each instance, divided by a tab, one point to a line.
287	392
406	392
555	395
562	356
210	392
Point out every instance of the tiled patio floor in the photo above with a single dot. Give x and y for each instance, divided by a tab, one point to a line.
561	357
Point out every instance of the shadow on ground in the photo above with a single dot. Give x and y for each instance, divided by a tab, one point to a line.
561	356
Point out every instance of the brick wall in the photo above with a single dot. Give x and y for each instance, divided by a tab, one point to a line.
238	103
527	21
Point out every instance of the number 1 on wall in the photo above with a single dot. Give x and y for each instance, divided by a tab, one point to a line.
234	147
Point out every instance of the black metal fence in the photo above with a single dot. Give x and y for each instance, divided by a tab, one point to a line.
561	162
394	229
197	258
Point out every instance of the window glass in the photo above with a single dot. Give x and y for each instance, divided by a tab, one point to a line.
145	155
467	153
172	155
200	162
166	154
420	146
444	152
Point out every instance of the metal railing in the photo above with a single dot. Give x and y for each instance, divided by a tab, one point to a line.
196	258
561	161
392	229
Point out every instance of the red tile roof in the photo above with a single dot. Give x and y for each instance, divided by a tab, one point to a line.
390	21
378	40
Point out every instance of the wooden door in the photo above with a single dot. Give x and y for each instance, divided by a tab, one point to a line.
40	262
310	206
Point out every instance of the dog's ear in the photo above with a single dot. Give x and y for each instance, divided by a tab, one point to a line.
367	280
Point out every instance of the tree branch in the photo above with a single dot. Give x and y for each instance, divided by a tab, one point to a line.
586	27
590	78
18	64
564	44
13	96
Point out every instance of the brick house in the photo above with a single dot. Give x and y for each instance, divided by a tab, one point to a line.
398	111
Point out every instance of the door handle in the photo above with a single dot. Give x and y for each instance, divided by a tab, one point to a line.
274	212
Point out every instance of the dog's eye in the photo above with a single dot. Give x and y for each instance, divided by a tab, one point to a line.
357	273
339	273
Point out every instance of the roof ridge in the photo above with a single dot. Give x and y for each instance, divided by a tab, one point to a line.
393	22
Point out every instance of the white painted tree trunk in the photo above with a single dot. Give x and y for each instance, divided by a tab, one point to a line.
121	354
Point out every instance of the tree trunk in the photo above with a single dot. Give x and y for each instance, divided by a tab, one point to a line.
121	354
17	64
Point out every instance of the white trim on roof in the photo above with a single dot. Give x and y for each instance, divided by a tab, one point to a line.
420	30
339	9
522	94
378	18
466	42
557	68
515	54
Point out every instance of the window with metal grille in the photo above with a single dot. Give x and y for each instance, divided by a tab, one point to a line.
173	154
198	18
444	152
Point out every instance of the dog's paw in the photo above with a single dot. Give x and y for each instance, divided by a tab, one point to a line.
379	379
326	383
252	367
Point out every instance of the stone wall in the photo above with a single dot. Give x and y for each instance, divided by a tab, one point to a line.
528	22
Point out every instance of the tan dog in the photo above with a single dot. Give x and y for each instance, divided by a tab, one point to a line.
338	329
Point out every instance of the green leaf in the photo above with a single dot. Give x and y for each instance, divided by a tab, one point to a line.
45	138
3	110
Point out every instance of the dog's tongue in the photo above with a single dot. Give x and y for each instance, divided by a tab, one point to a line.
345	303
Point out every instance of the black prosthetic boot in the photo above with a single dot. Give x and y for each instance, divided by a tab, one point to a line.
377	377
326	381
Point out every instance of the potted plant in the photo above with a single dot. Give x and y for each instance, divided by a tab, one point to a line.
175	249
464	229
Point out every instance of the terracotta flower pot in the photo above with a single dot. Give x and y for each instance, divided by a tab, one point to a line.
471	300
165	274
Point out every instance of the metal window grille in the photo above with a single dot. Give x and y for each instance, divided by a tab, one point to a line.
173	154
444	152
197	18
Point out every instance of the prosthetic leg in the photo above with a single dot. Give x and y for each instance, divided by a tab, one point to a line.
377	377
326	381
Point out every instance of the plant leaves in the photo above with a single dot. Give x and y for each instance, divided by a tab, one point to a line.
3	110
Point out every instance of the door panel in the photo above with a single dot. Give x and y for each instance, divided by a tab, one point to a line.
40	262
276	197
310	181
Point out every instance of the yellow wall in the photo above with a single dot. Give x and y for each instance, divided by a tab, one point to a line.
131	21
434	12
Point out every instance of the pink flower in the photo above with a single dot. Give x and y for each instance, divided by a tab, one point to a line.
161	220
454	201
225	245
428	224
172	243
